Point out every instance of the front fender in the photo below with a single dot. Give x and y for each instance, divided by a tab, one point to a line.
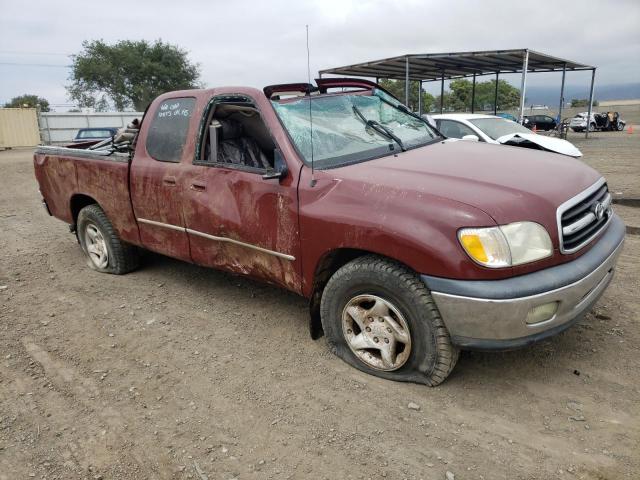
419	230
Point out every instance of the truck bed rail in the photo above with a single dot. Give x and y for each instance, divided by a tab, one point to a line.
82	153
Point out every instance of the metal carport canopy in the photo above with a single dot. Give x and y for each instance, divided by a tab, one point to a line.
446	66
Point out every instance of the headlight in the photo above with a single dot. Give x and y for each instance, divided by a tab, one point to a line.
507	245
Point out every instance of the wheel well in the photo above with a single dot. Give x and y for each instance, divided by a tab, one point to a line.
327	266
78	202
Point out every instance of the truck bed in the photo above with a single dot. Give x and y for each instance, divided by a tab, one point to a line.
70	178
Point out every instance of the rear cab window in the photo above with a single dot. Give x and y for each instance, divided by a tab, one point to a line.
169	128
94	134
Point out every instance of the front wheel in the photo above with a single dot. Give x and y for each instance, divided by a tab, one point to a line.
101	244
620	127
592	127
379	317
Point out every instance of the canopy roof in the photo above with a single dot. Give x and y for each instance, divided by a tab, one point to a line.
433	66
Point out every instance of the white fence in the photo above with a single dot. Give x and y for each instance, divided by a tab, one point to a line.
56	128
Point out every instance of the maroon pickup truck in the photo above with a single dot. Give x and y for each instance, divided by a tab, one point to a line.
409	246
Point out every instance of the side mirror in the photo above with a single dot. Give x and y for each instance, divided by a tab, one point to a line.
471	138
279	170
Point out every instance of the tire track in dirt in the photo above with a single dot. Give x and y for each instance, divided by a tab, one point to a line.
85	391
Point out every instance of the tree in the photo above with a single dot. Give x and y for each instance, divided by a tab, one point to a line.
129	73
461	92
28	101
397	88
458	98
582	102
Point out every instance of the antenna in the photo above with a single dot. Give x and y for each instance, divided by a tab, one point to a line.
313	180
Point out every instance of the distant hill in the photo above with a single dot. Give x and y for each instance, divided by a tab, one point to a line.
551	95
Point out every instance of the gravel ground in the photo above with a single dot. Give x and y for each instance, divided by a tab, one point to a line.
616	155
176	372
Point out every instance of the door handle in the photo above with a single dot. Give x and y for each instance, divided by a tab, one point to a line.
169	181
200	187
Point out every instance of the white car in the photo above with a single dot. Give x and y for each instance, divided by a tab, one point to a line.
579	122
598	121
498	130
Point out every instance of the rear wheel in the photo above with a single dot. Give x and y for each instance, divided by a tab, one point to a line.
379	317
101	244
620	127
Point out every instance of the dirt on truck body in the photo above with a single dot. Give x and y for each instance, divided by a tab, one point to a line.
409	246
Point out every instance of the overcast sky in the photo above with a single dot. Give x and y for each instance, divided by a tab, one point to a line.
257	43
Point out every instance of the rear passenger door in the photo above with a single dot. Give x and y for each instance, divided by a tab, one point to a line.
236	220
156	176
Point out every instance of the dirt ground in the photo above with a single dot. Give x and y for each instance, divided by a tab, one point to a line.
176	372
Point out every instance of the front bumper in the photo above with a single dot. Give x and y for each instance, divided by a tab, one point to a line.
492	314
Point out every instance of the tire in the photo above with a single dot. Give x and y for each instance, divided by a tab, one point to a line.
101	244
620	127
576	129
386	295
592	127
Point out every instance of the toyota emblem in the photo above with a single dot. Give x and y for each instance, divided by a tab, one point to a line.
599	210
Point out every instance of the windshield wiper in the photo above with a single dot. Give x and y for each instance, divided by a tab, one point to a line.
379	128
404	109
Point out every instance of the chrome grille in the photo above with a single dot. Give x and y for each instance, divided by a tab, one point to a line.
583	217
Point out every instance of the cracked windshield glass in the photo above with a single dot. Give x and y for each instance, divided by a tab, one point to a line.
351	128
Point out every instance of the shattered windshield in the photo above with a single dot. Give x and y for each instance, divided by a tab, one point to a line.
498	127
351	128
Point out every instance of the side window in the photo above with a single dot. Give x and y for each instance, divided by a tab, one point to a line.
169	127
453	129
235	136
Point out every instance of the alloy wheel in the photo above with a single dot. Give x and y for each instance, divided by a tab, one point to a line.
376	332
96	246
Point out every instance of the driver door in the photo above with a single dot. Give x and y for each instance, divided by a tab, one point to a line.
236	220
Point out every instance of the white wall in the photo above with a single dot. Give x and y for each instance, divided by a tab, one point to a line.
56	128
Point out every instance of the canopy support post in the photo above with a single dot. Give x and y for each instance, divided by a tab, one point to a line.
473	94
495	98
406	82
564	73
420	97
523	85
593	79
442	93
